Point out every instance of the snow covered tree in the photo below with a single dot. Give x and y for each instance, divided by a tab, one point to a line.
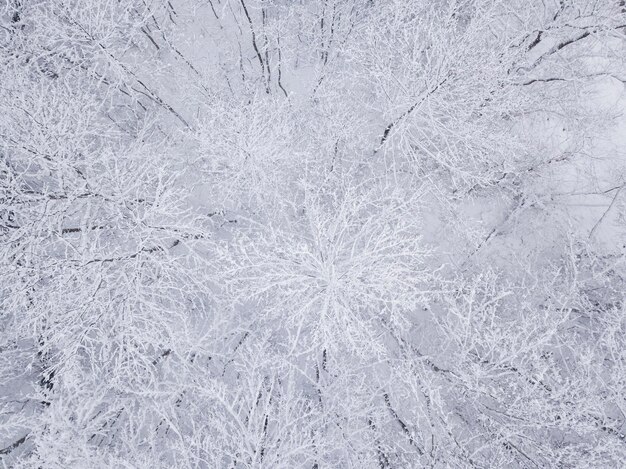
331	233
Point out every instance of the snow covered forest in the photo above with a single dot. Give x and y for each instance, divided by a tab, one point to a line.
312	234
